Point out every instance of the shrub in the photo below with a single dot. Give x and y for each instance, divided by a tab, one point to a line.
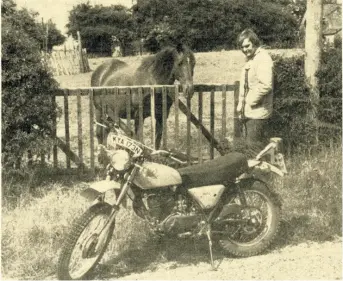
330	86
27	87
292	100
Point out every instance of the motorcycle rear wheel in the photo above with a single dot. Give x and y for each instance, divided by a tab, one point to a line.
258	232
85	244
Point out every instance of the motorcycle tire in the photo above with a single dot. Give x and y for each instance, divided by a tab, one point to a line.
86	247
255	246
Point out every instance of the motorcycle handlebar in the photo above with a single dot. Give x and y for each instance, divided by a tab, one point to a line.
167	154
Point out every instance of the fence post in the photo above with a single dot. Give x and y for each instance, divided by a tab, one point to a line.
79	131
176	107
66	124
91	129
153	117
54	134
83	68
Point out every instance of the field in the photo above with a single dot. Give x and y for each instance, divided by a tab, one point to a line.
37	209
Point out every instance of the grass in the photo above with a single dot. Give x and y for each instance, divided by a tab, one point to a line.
33	227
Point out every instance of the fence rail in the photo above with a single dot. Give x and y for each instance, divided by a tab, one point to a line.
197	124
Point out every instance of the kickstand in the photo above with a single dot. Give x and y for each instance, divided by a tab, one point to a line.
208	232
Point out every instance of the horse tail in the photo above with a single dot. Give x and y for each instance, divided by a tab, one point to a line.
103	71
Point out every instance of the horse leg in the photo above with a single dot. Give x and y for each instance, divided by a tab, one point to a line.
159	131
159	122
136	120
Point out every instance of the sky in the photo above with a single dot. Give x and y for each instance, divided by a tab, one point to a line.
58	10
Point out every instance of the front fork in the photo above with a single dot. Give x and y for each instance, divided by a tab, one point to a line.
115	207
127	184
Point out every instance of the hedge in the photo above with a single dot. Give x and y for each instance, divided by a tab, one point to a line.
292	101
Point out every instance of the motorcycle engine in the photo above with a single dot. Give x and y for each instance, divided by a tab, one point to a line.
159	203
172	214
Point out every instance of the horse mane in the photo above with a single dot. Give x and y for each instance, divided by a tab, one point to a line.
161	64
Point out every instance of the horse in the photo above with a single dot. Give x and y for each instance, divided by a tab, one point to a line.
163	68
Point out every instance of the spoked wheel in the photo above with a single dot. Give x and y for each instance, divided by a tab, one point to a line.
250	228
86	243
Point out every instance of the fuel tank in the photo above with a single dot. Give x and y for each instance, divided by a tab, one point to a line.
154	175
207	196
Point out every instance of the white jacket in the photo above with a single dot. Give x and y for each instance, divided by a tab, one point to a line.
259	98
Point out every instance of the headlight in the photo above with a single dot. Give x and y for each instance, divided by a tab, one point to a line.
120	160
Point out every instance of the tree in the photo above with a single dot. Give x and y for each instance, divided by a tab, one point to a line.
55	37
313	48
208	25
100	27
27	86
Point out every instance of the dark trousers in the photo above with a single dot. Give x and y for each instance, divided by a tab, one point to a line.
255	131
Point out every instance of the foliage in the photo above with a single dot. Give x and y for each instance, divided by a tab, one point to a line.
330	86
36	30
292	100
55	36
101	27
27	87
207	25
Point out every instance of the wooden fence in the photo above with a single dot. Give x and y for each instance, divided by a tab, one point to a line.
196	125
68	62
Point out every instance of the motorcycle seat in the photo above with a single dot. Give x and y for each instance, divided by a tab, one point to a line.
219	170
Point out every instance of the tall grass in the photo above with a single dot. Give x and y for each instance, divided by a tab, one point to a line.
34	229
312	195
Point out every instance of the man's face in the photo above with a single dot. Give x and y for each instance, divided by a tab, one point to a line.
248	48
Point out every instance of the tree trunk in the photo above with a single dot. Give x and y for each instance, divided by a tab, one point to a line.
313	48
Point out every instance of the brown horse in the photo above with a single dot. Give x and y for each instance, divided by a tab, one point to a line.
163	68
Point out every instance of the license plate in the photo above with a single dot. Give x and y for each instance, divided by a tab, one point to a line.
127	143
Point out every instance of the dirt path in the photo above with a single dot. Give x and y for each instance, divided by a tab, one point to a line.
306	261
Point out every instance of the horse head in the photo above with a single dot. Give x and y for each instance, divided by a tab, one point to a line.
183	70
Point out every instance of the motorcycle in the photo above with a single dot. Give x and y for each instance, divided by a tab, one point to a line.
222	199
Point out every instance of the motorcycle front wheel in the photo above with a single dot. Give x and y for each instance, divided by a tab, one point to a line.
254	224
86	243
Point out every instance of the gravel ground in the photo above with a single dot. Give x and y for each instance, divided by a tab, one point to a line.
306	261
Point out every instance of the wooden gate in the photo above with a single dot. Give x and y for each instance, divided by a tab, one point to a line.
196	126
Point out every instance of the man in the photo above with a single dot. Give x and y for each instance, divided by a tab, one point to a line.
255	104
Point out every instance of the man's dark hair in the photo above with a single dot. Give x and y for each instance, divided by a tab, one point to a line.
248	34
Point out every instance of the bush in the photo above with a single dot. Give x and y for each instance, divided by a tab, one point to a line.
292	100
330	86
27	87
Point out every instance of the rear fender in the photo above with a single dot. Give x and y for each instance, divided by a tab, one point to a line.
98	188
233	189
251	180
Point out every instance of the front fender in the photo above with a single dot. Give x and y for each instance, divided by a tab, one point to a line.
98	188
